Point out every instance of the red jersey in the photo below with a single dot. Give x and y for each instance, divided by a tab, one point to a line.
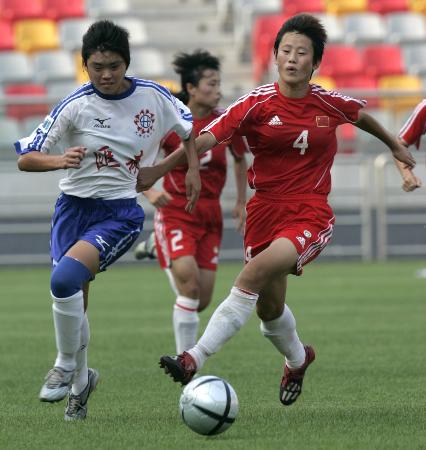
212	162
415	127
293	140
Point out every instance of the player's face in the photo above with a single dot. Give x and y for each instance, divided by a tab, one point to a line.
106	71
207	93
295	60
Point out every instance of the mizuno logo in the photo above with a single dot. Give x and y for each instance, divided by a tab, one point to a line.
275	121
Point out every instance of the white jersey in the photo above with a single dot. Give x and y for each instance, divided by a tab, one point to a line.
121	133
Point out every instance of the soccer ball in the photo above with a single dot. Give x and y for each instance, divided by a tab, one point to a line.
208	405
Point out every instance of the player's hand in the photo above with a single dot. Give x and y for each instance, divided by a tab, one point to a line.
239	214
410	181
72	157
193	187
401	153
158	198
147	176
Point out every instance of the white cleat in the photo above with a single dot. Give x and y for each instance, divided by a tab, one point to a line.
56	385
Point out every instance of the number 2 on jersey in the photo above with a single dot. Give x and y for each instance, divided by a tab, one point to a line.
302	142
174	241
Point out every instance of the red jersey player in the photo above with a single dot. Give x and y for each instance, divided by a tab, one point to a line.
187	244
411	133
291	131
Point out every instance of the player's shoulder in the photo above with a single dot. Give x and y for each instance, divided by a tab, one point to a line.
334	97
143	85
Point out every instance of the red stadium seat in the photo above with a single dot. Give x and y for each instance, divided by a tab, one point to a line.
22	9
22	111
7	37
387	6
297	6
64	9
264	33
341	61
361	83
381	60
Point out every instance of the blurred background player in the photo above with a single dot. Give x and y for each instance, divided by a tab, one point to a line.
290	127
187	244
107	129
410	134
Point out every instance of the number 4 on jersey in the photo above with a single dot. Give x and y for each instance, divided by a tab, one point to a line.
302	142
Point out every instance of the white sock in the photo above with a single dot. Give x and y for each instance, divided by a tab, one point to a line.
185	322
225	322
68	315
81	375
171	281
282	333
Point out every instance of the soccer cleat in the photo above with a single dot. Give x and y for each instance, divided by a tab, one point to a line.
181	368
56	385
291	383
76	408
146	249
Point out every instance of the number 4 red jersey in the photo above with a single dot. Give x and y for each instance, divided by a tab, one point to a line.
293	140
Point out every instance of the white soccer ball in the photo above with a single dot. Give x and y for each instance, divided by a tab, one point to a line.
208	405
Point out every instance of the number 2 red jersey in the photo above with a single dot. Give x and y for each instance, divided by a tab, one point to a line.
293	140
212	162
415	127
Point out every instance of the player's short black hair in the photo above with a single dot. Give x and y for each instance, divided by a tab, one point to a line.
103	36
190	67
309	26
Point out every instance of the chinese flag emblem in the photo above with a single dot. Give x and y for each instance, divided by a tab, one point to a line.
323	121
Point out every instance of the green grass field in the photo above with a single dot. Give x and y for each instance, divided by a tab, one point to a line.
366	389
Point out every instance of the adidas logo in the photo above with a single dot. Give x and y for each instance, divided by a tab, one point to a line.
275	121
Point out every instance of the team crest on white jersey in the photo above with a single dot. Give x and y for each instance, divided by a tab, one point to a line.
144	122
275	121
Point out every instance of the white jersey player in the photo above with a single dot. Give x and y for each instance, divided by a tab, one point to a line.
106	130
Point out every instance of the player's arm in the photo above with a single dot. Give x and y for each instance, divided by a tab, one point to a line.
409	181
192	178
36	161
371	125
157	198
240	173
149	175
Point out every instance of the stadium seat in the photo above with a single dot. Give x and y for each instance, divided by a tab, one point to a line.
387	6
361	86
147	63
54	65
23	110
406	27
16	67
136	28
22	9
297	6
36	34
333	27
415	58
418	6
64	9
341	61
57	90
10	132
263	37
7	36
363	28
395	83
345	6
382	60
71	32
107	8
326	82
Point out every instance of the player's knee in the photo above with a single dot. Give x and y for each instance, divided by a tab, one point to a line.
269	311
68	277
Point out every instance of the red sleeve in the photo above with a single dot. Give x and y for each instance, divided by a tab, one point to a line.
415	127
238	145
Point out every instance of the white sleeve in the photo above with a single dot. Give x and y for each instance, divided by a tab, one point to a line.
47	134
178	118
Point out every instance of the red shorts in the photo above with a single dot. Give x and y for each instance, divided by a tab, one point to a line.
306	220
199	234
